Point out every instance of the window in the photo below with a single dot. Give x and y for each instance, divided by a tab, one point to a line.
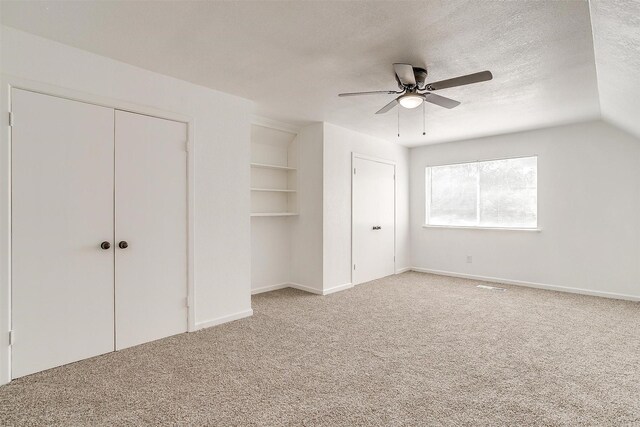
495	193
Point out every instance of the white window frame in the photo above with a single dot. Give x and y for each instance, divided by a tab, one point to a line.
427	178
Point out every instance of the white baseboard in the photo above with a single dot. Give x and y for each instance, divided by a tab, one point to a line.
305	288
327	291
224	319
337	288
300	287
403	270
530	284
269	288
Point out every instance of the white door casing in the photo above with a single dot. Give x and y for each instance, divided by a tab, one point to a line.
151	216
62	209
373	206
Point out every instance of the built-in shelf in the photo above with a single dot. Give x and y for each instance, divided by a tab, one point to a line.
279	190
274	173
274	214
266	166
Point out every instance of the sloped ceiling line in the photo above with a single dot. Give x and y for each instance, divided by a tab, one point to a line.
616	40
554	62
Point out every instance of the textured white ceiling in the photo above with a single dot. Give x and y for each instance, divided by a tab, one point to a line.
616	25
293	58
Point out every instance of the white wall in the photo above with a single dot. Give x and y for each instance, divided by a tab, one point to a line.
588	209
270	251
339	143
221	143
306	229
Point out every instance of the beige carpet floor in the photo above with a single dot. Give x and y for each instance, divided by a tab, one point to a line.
414	349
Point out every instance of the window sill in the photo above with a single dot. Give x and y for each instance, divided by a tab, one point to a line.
471	227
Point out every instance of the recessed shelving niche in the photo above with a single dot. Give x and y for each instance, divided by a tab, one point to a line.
274	173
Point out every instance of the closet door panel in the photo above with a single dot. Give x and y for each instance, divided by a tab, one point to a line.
151	217
62	209
373	220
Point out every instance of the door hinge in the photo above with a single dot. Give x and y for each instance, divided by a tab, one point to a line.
354	266
10	118
186	302
354	171
12	337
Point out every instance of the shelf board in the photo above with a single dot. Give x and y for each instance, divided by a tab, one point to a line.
277	190
266	166
274	214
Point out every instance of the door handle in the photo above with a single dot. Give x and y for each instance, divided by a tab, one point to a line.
105	245
377	227
123	244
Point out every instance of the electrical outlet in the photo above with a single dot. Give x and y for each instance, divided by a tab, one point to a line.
469	259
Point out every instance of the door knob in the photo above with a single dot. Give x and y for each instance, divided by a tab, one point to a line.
105	245
377	227
123	244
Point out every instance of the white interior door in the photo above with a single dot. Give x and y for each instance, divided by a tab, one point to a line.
151	217
373	220
62	209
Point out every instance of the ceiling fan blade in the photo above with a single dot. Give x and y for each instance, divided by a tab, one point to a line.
440	100
405	74
375	92
482	76
388	107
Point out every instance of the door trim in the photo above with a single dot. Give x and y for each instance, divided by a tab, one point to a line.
355	156
8	83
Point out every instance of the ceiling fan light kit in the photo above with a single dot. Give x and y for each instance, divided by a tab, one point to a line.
414	90
410	100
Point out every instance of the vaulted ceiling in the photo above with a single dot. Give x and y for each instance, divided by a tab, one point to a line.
616	35
293	58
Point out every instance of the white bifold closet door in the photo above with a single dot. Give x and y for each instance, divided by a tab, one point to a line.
373	220
99	230
62	210
151	217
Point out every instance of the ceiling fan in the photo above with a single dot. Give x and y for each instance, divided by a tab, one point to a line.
414	91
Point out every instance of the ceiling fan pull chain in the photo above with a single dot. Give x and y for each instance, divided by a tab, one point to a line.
398	123
424	115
